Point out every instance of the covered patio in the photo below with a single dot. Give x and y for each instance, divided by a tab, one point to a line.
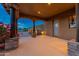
40	46
61	37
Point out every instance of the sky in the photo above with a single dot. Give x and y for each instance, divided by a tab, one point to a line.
22	22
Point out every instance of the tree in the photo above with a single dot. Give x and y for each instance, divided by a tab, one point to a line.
25	29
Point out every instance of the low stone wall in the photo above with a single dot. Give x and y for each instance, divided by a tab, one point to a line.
73	48
12	43
2	53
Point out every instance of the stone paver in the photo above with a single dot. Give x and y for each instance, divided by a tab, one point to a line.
40	46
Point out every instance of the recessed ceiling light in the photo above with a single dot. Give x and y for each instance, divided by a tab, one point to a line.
38	12
49	3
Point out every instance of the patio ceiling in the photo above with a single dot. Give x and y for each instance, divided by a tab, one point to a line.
43	10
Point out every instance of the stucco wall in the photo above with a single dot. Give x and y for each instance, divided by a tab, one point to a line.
64	31
63	20
49	27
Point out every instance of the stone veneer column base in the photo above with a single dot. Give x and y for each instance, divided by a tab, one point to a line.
73	48
34	35
12	43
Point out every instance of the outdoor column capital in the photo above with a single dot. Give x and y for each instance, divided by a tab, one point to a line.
17	12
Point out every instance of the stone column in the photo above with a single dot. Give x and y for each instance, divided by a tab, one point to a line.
34	30
13	31
77	20
12	43
17	17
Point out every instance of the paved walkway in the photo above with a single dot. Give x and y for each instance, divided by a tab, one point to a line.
24	34
40	46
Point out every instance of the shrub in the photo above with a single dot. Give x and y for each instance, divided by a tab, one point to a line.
2	30
3	34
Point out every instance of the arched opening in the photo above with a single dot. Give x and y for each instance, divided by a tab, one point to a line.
24	27
40	27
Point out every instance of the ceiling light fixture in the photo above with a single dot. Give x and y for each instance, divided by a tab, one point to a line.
38	12
49	3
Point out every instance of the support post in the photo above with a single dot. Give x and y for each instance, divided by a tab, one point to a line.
34	30
13	41
13	30
77	20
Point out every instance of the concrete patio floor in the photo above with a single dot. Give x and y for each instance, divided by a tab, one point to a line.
40	46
